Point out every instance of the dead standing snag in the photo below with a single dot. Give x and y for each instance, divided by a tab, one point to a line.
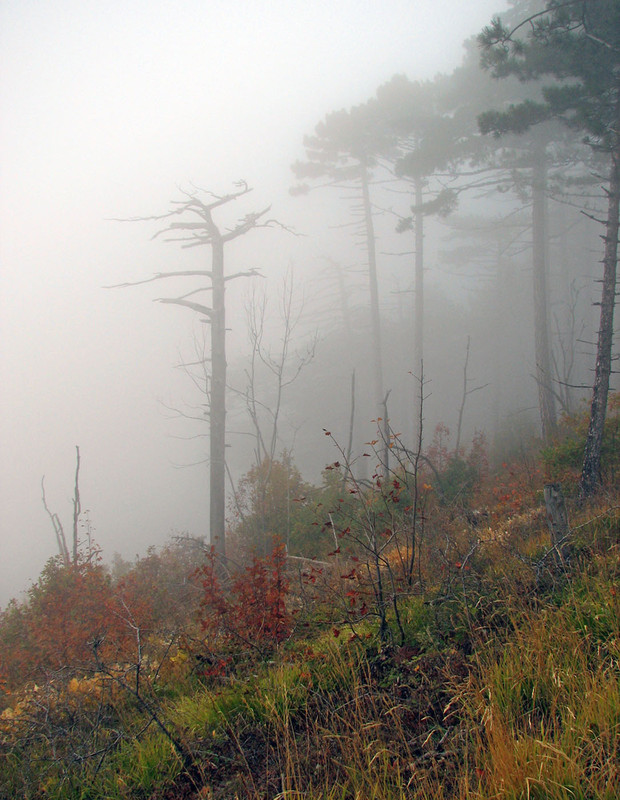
192	219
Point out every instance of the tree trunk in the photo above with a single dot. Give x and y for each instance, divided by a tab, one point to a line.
498	339
77	506
217	428
591	470
351	429
418	303
377	355
206	232
557	520
344	304
542	341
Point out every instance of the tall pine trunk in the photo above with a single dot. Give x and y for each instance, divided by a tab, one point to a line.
418	304
591	470
377	355
542	338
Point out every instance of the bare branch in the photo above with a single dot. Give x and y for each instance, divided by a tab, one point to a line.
252	273
57	524
198	307
247	223
193	203
160	275
196	291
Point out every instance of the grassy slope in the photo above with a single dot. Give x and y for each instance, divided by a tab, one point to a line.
508	688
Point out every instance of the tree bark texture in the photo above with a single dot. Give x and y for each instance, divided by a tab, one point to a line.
591	470
557	519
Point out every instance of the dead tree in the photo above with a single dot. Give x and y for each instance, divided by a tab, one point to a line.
59	530
192	219
273	372
466	392
281	367
77	505
557	520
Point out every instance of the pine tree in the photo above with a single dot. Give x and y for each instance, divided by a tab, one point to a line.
344	150
422	141
577	46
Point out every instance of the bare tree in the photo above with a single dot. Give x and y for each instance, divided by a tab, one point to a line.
281	368
77	504
567	339
59	531
540	263
466	392
192	219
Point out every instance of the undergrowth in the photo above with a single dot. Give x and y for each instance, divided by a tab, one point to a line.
499	680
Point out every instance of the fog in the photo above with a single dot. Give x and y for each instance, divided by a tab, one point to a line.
110	112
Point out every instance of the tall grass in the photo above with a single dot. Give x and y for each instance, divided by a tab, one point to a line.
546	702
505	690
532	712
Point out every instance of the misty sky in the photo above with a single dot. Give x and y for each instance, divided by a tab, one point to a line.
106	111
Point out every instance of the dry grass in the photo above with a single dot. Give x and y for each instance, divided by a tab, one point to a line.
507	689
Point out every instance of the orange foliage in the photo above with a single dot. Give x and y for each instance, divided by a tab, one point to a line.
252	608
70	609
70	612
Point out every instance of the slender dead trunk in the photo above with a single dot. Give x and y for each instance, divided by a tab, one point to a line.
542	339
217	443
591	470
385	435
77	506
459	425
61	540
204	231
497	339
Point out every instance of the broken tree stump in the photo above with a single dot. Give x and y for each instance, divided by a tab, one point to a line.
557	519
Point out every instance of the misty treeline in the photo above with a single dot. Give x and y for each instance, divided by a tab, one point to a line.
446	367
474	212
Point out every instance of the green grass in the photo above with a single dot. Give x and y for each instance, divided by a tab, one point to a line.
504	691
142	767
547	700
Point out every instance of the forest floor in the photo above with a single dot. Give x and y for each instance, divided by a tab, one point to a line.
501	680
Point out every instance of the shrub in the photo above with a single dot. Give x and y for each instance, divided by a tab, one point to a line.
249	609
563	460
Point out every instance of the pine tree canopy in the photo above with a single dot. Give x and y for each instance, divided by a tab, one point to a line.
578	44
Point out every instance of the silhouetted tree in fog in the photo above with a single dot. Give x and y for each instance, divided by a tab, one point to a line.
343	152
192	218
426	142
578	44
